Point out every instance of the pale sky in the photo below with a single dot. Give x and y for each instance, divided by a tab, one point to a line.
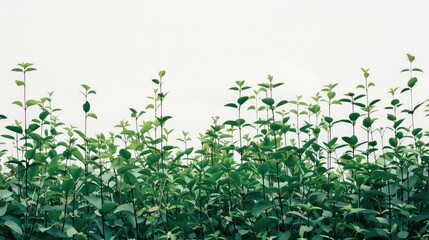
117	47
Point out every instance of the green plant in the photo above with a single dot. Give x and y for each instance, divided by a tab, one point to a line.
289	182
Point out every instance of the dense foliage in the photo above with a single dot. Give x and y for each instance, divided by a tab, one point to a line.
278	173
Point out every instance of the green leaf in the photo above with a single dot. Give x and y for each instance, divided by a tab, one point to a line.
68	185
19	103
16	129
92	115
411	58
129	178
331	95
231	123
350	140
233	105
32	102
126	168
263	168
125	153
86	87
275	126
71	231
161	73
5	194
265	223
367	122
86	107
17	70
76	173
43	115
268	101
329	119
76	153
95	201
108	207
125	208
354	116
261	207
19	83
283	102
3	208
242	100
29	154
403	234
303	229
412	82
13	226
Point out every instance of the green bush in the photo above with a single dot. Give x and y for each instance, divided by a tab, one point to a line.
282	175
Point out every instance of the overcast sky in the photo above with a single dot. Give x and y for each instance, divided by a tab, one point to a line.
117	47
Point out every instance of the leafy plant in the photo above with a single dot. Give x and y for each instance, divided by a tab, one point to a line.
293	170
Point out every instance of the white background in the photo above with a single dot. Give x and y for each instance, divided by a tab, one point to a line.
117	47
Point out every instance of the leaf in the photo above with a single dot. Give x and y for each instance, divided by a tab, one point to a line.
126	168
71	231
19	103
303	229
16	129
354	116
350	140
265	223
108	207
263	168
32	102
367	122
411	58
43	115
5	194
76	153
17	70
268	101
412	82
331	95
261	207
19	83
161	73
275	126
233	105
68	185
29	154
8	136
13	226
231	123
283	102
2	117
76	173
95	201
129	178
125	208
3	208
92	115
86	87
403	234
86	107
242	100
398	123
125	153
